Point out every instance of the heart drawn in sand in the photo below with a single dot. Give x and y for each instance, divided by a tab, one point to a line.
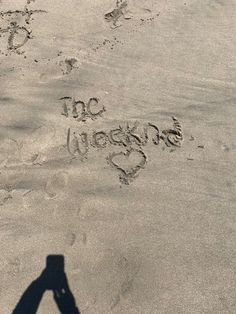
129	162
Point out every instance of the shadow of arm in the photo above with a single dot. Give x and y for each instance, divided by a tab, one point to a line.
30	299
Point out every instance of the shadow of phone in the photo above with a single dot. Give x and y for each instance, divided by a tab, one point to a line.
52	278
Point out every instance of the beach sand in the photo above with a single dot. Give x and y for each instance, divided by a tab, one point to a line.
95	168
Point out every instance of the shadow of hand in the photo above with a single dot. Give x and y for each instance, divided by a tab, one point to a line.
58	283
65	301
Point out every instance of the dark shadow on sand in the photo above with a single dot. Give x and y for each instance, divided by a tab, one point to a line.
52	278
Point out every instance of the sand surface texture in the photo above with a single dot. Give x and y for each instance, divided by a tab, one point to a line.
117	151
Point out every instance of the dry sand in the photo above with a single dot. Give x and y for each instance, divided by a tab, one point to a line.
147	224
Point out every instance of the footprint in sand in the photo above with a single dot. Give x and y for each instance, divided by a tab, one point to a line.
56	184
70	238
68	65
9	153
36	144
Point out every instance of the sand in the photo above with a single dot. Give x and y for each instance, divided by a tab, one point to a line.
117	151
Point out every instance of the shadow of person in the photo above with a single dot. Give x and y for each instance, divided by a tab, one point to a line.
52	278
